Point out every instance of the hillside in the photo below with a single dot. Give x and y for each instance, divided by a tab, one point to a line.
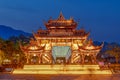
7	31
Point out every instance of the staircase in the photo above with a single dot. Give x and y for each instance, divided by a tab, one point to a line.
61	69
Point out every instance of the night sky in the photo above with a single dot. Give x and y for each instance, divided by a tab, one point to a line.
100	17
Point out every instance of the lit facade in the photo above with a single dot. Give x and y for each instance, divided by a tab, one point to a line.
60	43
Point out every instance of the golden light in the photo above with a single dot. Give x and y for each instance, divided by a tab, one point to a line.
87	54
45	54
34	55
90	47
61	69
33	47
61	32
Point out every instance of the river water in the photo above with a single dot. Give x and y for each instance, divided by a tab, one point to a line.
7	76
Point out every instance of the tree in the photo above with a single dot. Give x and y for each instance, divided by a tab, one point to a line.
10	49
114	50
19	54
1	56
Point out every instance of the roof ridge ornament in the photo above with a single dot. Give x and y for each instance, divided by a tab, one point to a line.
90	42
61	17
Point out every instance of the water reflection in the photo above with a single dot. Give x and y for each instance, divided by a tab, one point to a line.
7	76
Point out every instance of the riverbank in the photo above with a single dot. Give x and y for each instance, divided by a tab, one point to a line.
8	76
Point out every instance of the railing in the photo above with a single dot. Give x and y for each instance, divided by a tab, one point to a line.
114	66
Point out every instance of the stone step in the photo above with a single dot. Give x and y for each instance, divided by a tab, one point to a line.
61	72
61	67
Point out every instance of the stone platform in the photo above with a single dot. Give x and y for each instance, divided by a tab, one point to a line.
61	69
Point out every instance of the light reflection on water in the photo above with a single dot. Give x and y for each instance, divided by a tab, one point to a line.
4	76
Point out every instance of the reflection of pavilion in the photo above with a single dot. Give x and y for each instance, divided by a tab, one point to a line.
60	43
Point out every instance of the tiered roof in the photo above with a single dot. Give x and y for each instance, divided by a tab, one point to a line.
32	46
61	27
90	48
66	30
61	22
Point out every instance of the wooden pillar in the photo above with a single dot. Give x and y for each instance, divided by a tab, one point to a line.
83	58
71	57
39	56
27	58
94	57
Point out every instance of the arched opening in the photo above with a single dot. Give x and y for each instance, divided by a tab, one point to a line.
34	59
88	59
61	54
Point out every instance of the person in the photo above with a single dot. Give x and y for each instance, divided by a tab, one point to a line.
101	64
109	65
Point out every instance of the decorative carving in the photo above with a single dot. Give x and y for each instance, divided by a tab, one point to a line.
61	32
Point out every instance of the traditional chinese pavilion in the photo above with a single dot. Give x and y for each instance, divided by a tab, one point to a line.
60	43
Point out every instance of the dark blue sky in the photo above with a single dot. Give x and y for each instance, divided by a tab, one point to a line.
101	17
